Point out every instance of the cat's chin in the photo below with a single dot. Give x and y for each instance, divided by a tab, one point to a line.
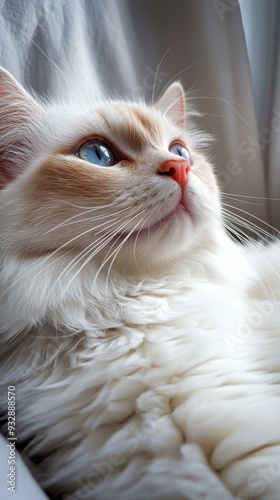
160	241
177	220
176	216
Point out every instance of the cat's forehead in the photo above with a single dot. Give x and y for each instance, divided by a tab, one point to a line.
134	125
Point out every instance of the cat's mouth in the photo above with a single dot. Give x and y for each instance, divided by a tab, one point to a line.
177	214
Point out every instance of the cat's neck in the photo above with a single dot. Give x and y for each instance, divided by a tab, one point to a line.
52	285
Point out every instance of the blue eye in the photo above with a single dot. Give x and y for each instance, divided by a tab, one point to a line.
97	152
178	149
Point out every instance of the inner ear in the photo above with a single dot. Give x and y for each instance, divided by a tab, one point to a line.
172	104
18	111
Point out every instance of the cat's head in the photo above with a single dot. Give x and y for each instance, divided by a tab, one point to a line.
119	182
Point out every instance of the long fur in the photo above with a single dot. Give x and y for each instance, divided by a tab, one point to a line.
144	346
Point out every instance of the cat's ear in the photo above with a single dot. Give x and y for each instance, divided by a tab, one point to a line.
17	112
172	104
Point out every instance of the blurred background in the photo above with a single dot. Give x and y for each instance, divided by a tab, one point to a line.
225	52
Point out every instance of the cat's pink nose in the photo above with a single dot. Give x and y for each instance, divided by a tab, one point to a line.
178	169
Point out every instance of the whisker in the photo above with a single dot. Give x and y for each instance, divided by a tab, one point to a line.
248	241
107	239
259	232
179	73
95	244
253	216
117	251
75	87
108	256
217	98
41	265
157	70
240	201
136	238
96	217
254	197
91	208
254	246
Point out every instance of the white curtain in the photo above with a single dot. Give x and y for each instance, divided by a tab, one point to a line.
225	53
262	32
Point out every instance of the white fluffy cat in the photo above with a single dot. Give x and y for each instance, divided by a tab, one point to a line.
142	341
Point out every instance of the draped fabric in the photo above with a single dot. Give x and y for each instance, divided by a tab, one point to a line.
225	52
262	33
26	487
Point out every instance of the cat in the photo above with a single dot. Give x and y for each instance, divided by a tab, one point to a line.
141	340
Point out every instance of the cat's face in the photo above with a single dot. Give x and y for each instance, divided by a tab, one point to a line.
119	180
